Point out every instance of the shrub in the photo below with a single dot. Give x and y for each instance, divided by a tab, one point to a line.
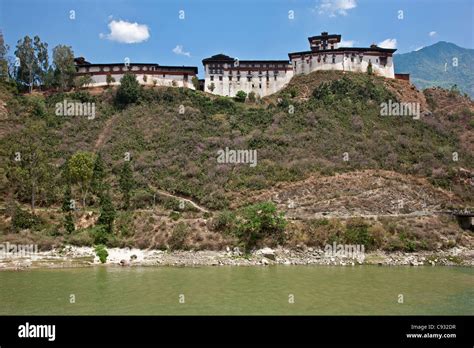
357	232
241	96
195	82
23	219
178	236
258	221
102	253
370	70
129	90
99	234
224	222
252	97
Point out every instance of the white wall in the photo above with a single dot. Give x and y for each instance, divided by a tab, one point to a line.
168	80
257	84
343	63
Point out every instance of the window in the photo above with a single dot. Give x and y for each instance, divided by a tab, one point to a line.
268	78
238	78
352	58
260	85
212	78
249	78
230	78
164	76
333	59
275	77
220	78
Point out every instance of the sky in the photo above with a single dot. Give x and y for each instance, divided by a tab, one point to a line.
183	32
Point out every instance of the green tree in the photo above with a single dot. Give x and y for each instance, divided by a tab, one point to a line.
212	87
258	221
30	171
3	58
241	96
41	51
126	183
98	176
109	79
195	82
129	90
33	56
68	208
369	68
107	213
80	170
101	253
81	81
63	60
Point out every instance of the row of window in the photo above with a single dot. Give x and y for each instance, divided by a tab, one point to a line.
249	65
230	72
249	78
383	60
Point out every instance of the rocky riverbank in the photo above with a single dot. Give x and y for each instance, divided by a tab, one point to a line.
71	256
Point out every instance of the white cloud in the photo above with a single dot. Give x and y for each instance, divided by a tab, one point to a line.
388	43
335	7
432	33
126	32
346	43
179	51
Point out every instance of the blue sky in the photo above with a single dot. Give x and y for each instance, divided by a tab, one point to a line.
152	31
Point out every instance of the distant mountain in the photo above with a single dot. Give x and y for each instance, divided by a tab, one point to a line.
434	66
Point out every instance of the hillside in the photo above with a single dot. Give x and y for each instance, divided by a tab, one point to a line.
333	155
434	66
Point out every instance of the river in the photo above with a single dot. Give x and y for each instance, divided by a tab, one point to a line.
226	290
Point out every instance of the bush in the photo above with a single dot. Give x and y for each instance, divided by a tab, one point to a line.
252	97
99	234
259	221
178	236
357	232
102	253
23	219
129	90
224	222
241	96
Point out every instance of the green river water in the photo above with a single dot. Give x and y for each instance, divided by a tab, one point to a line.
316	290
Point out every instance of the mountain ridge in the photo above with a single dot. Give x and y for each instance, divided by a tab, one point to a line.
443	64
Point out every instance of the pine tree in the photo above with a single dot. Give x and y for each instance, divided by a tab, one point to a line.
68	208
98	176
126	183
107	212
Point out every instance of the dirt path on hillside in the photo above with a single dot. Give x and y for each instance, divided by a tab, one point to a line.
167	194
105	133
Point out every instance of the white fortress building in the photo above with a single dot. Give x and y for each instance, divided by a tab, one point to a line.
326	55
226	76
147	74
